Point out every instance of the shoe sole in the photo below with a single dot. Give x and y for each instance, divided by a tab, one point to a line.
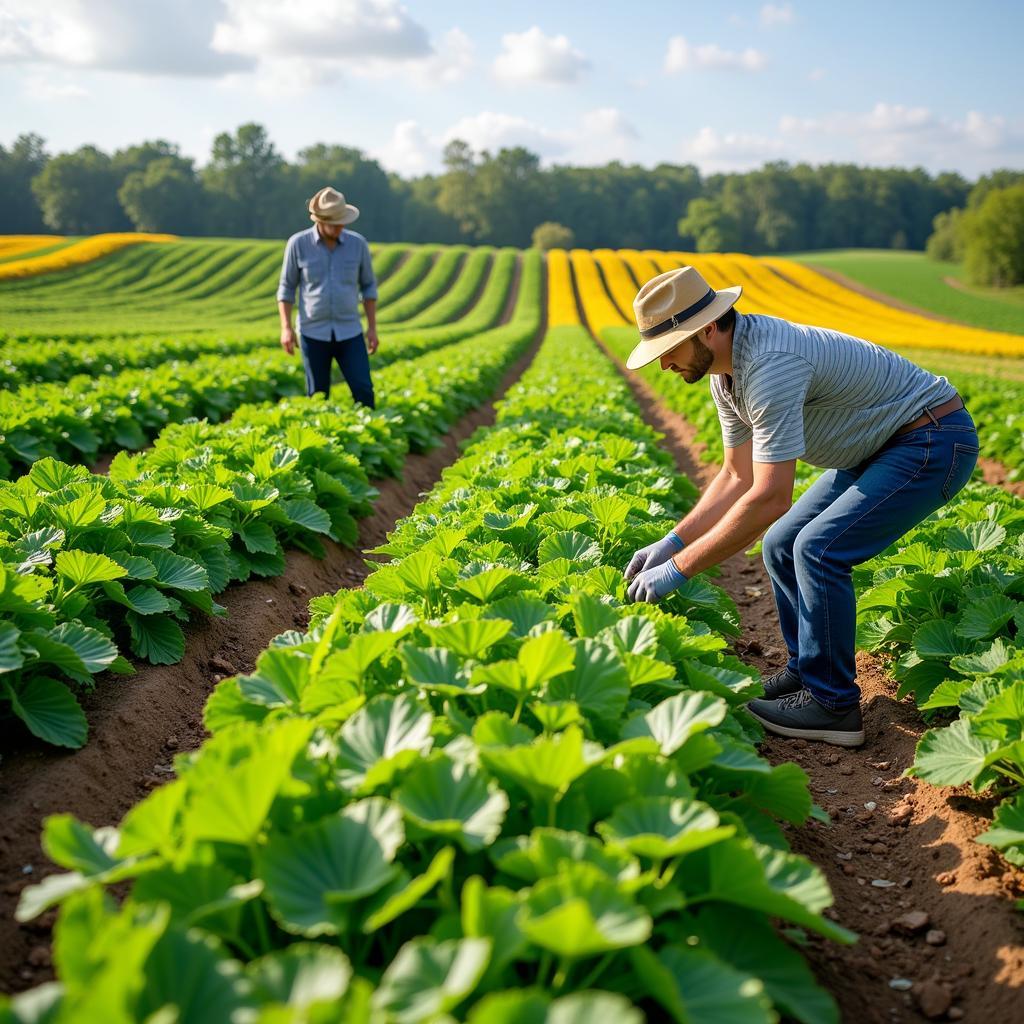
834	736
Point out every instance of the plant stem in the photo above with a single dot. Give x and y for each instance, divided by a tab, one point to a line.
561	975
592	975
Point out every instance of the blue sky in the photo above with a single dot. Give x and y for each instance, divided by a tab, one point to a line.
726	86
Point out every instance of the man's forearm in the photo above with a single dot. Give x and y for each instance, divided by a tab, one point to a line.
370	308
285	310
742	524
719	496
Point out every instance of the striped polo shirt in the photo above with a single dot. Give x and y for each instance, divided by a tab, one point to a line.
810	393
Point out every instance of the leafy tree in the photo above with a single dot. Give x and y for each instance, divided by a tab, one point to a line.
993	234
709	226
166	196
945	242
19	212
248	182
77	193
551	235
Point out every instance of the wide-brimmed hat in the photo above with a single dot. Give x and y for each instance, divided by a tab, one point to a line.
329	207
673	307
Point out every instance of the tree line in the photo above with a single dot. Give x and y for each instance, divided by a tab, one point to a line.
248	189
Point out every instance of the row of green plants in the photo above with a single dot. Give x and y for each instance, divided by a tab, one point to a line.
95	566
160	287
446	267
944	607
77	420
452	301
483	787
409	275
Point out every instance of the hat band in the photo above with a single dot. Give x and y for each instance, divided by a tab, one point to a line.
678	319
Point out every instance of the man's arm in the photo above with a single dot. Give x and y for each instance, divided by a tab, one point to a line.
769	497
734	479
368	288
286	295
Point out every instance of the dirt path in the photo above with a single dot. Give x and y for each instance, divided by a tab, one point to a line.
137	725
947	924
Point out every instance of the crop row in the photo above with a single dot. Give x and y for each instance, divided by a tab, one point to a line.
442	272
78	253
484	787
93	564
218	284
944	606
77	420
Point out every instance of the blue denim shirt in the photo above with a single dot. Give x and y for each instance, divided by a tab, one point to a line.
329	283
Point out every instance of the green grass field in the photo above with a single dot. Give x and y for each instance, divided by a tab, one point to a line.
912	277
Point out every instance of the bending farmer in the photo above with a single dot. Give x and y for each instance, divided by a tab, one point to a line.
331	267
895	441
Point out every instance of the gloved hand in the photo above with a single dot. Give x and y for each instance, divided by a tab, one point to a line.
654	554
653	584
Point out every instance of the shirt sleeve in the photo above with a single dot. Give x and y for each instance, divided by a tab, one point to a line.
734	431
775	390
367	282
289	273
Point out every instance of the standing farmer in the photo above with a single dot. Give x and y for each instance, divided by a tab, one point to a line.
331	267
895	441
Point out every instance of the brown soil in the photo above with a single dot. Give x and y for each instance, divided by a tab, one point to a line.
138	724
996	473
883	827
888	300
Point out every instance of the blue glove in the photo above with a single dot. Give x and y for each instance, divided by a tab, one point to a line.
653	584
654	554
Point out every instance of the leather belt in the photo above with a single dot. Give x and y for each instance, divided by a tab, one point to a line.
932	415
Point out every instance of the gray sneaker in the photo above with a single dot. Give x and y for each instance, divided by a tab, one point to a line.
800	716
780	684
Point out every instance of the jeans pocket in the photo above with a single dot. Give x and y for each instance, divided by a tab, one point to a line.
961	466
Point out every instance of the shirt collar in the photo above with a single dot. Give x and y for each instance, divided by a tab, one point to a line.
319	240
739	342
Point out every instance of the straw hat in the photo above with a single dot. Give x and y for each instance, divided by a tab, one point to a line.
673	307
329	207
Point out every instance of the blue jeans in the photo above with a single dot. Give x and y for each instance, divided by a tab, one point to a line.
844	518
318	356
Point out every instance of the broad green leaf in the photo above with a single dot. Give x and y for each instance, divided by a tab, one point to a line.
259	538
428	978
497	581
307	514
83	567
545	656
590	614
659	827
381	738
598	682
453	800
1007	828
313	874
696	987
302	976
523	611
980	536
581	912
545	768
11	657
672	722
78	847
80	512
952	755
983	619
546	851
576	547
92	647
469	638
49	709
178	572
156	638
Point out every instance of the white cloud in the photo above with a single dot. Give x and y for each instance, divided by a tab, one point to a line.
45	87
531	56
116	35
777	14
816	74
601	135
684	56
330	29
712	150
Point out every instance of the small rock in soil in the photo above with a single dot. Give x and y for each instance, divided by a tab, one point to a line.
830	757
882	883
901	984
845	769
39	956
772	652
171	742
870	805
933	999
935	937
882	766
219	664
270	600
955	1013
901	815
879	848
946	877
298	588
912	923
849	869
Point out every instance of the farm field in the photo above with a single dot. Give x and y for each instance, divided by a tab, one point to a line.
380	735
932	285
